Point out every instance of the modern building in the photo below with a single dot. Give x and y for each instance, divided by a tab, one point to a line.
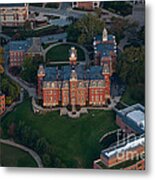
86	5
131	119
14	14
127	155
2	103
129	152
105	50
74	84
18	50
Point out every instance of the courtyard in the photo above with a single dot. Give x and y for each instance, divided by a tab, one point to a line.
61	53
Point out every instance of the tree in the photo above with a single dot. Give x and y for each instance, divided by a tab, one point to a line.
89	26
131	68
11	130
72	33
131	65
42	145
34	138
30	67
9	88
98	12
46	160
118	27
85	29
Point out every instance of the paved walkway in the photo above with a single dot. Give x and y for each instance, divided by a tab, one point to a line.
31	90
34	155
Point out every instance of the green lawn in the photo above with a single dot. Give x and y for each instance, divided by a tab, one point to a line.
61	53
13	157
74	141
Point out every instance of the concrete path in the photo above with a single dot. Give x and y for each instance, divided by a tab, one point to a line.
34	155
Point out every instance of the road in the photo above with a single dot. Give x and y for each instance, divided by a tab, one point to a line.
62	13
34	155
53	38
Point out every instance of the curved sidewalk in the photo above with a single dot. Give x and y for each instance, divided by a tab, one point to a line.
34	155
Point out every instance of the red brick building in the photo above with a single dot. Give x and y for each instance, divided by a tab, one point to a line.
2	103
105	50
14	14
86	5
125	156
74	84
18	50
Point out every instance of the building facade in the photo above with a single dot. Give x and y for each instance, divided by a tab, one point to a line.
2	103
127	155
74	84
14	14
132	119
18	50
86	5
105	50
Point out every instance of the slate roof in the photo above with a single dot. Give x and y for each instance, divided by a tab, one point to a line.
93	73
105	47
51	74
19	45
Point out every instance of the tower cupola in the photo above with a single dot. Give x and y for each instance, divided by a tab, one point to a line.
105	35
73	56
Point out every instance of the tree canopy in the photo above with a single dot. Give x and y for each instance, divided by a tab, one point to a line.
131	68
29	68
85	29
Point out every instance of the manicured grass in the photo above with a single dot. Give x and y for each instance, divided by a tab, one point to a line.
13	157
74	141
61	53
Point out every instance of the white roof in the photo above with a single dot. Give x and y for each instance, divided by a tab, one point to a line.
138	117
128	146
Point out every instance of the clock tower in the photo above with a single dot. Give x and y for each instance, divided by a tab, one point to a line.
73	56
73	89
